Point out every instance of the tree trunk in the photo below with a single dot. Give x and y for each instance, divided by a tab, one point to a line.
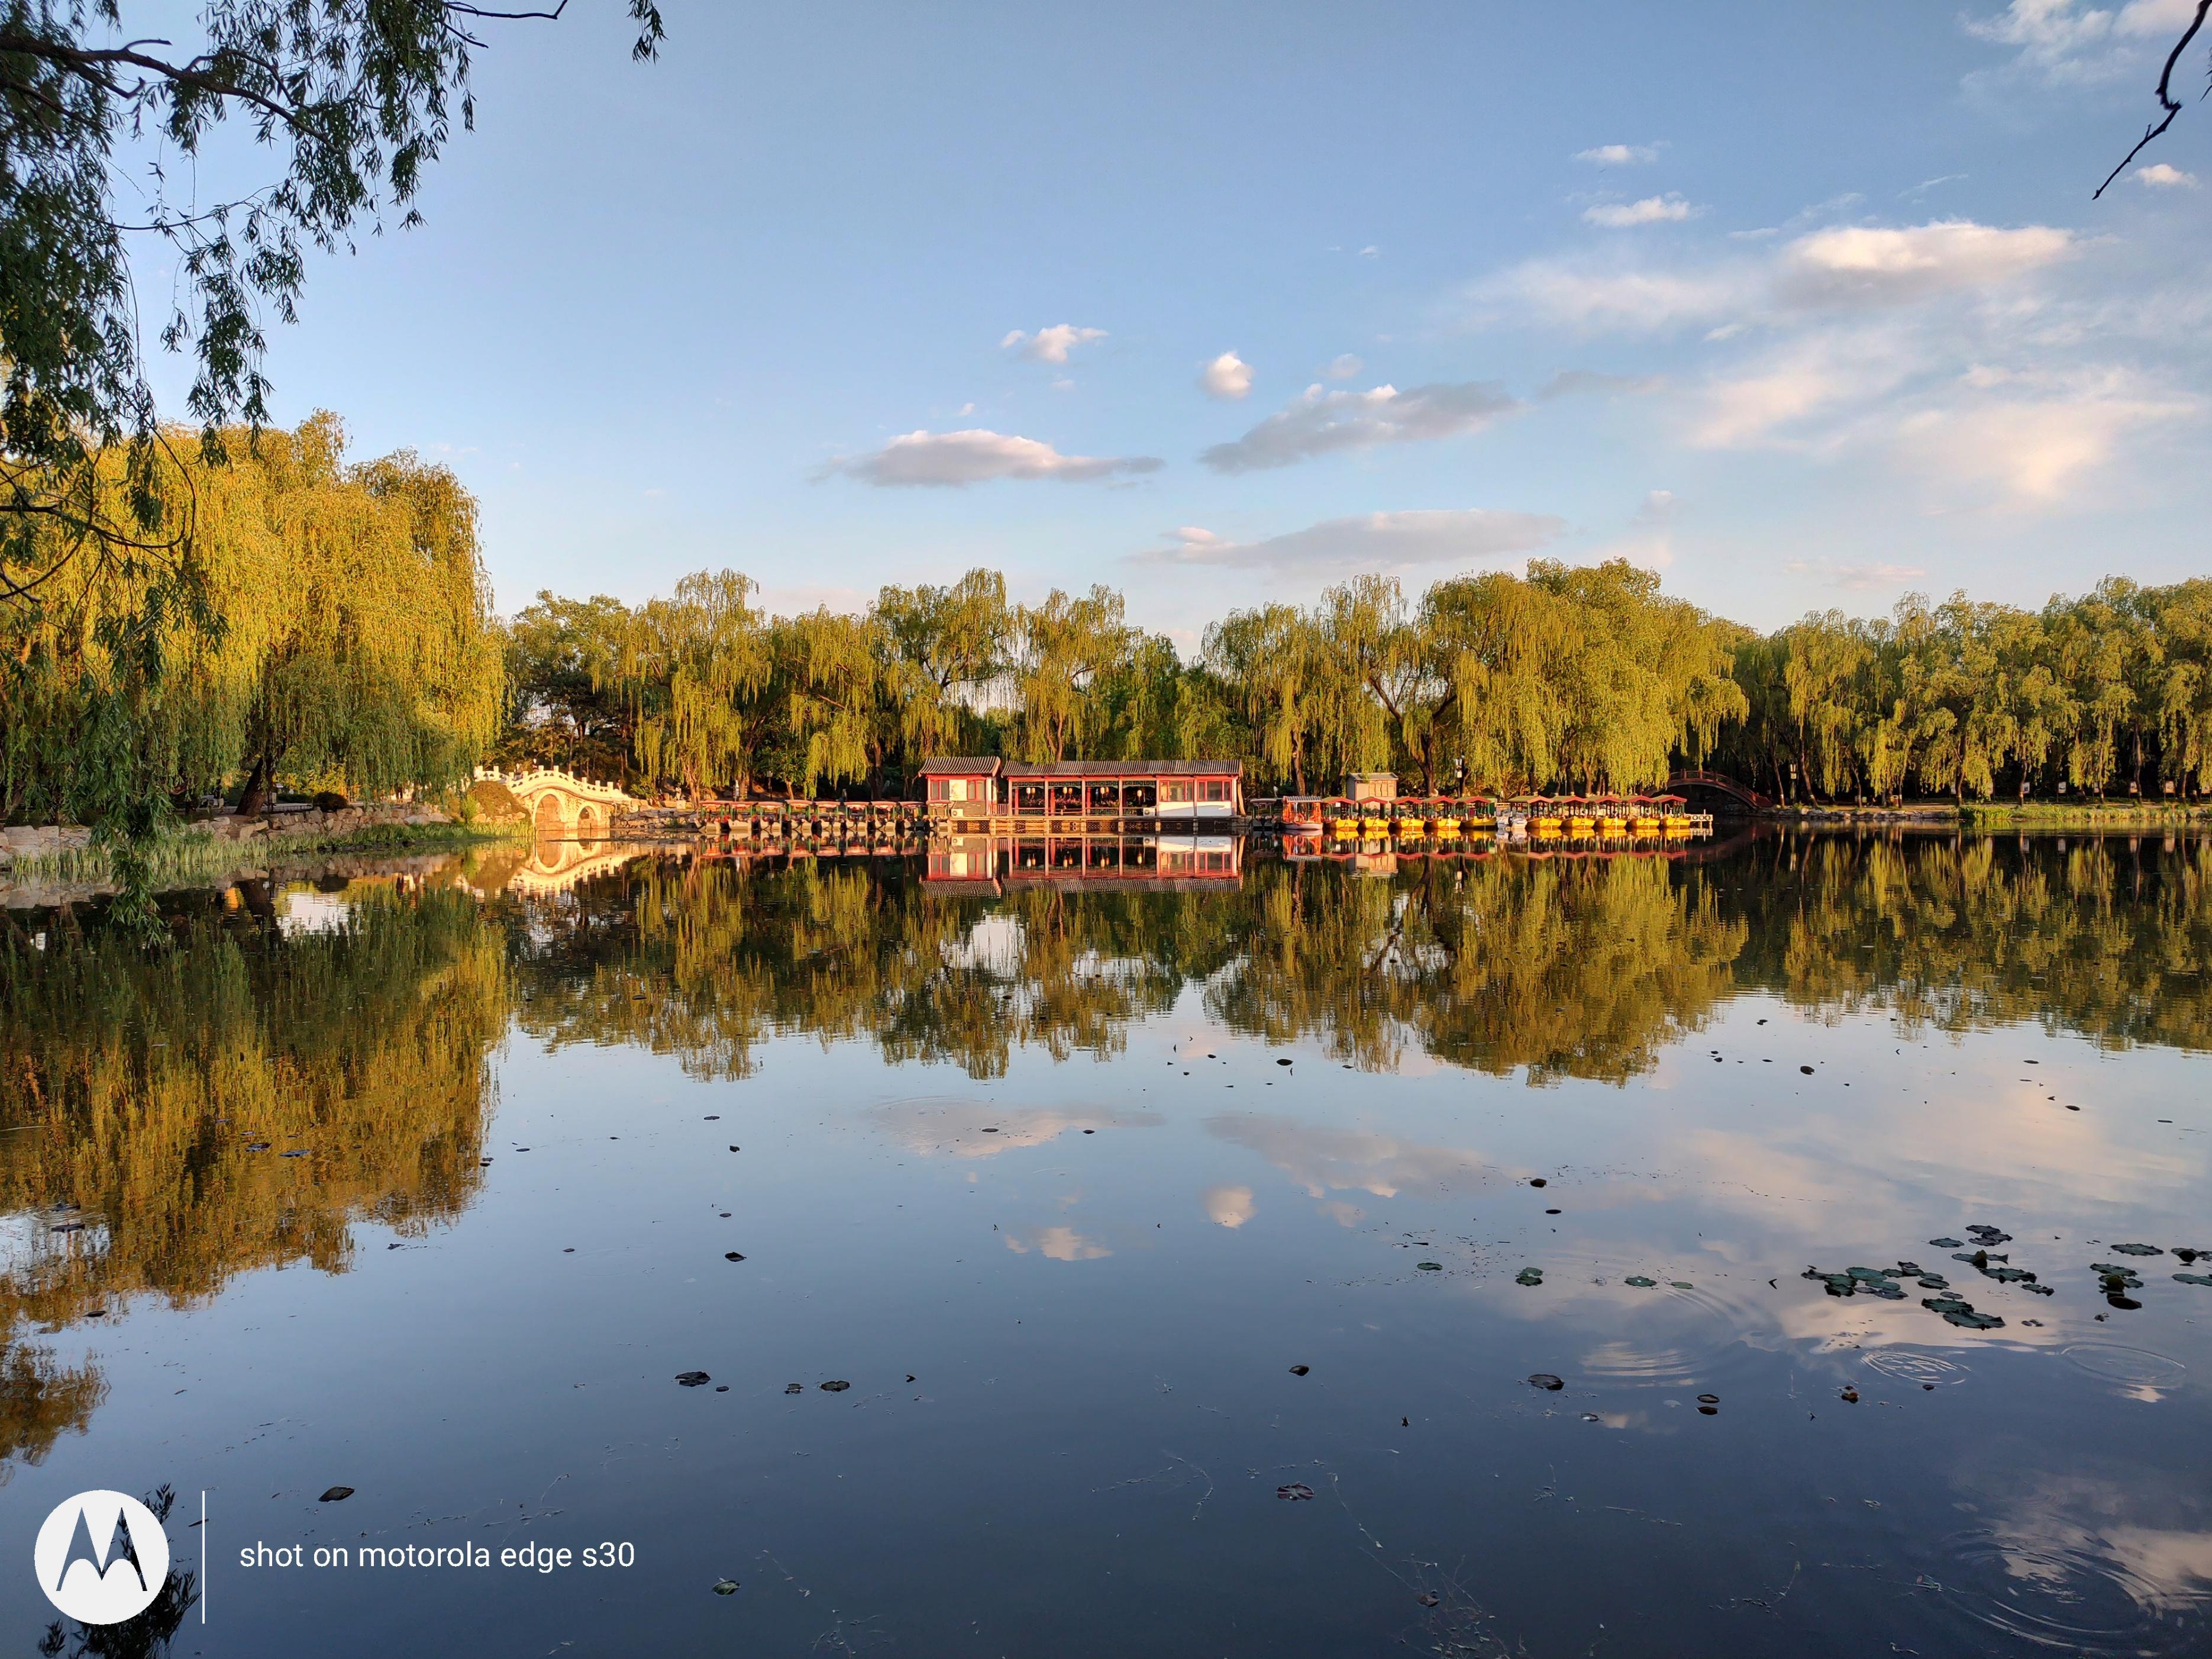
255	800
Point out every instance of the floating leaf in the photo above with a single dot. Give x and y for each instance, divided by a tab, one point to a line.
1296	1492
726	1586
1429	1267
1969	1320
1530	1276
1946	1243
2138	1249
1639	1281
692	1379
1546	1381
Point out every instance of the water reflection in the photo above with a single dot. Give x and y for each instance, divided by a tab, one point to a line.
1585	969
1720	1069
169	1121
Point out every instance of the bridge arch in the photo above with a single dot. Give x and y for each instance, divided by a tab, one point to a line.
563	805
1719	783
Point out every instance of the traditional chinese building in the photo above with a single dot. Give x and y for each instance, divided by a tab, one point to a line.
1080	796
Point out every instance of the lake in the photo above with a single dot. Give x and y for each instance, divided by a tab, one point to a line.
1291	1257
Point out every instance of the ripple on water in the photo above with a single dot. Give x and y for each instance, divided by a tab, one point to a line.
1915	1365
2137	1368
1665	1337
2071	1591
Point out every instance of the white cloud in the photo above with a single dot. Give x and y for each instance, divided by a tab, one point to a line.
2165	175
1619	155
1323	422
1227	376
1805	376
1343	367
2032	441
1228	1206
2064	41
1857	578
1669	209
1055	1245
1572	294
1050	345
1371	541
952	460
1867	265
1851	267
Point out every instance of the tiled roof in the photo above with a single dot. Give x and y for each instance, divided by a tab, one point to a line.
1131	769
964	765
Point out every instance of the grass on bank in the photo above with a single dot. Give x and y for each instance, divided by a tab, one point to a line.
183	859
2084	815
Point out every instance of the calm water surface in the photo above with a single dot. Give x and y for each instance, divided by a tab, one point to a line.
1061	1186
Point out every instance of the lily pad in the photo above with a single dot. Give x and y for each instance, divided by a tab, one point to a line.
1934	1282
336	1495
1429	1267
2195	1279
1969	1320
1990	1235
1681	1283
1639	1281
1530	1276
2124	1304
726	1586
1296	1492
2138	1249
692	1379
1873	1273
1300	1371
1946	1305
1946	1243
1544	1380
835	1388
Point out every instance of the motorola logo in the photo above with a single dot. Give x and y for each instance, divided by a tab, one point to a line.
101	1557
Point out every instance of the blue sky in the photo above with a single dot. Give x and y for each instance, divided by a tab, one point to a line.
1805	307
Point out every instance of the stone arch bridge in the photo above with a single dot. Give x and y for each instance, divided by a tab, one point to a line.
562	804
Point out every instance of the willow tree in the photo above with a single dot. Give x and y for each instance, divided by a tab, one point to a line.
1264	662
1644	676
693	668
2184	690
349	102
1062	647
830	673
358	650
565	704
1493	640
955	643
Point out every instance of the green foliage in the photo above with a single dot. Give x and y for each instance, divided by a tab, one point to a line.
2109	692
1580	676
357	650
353	99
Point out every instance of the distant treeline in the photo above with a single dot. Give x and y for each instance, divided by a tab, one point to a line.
314	624
1585	677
